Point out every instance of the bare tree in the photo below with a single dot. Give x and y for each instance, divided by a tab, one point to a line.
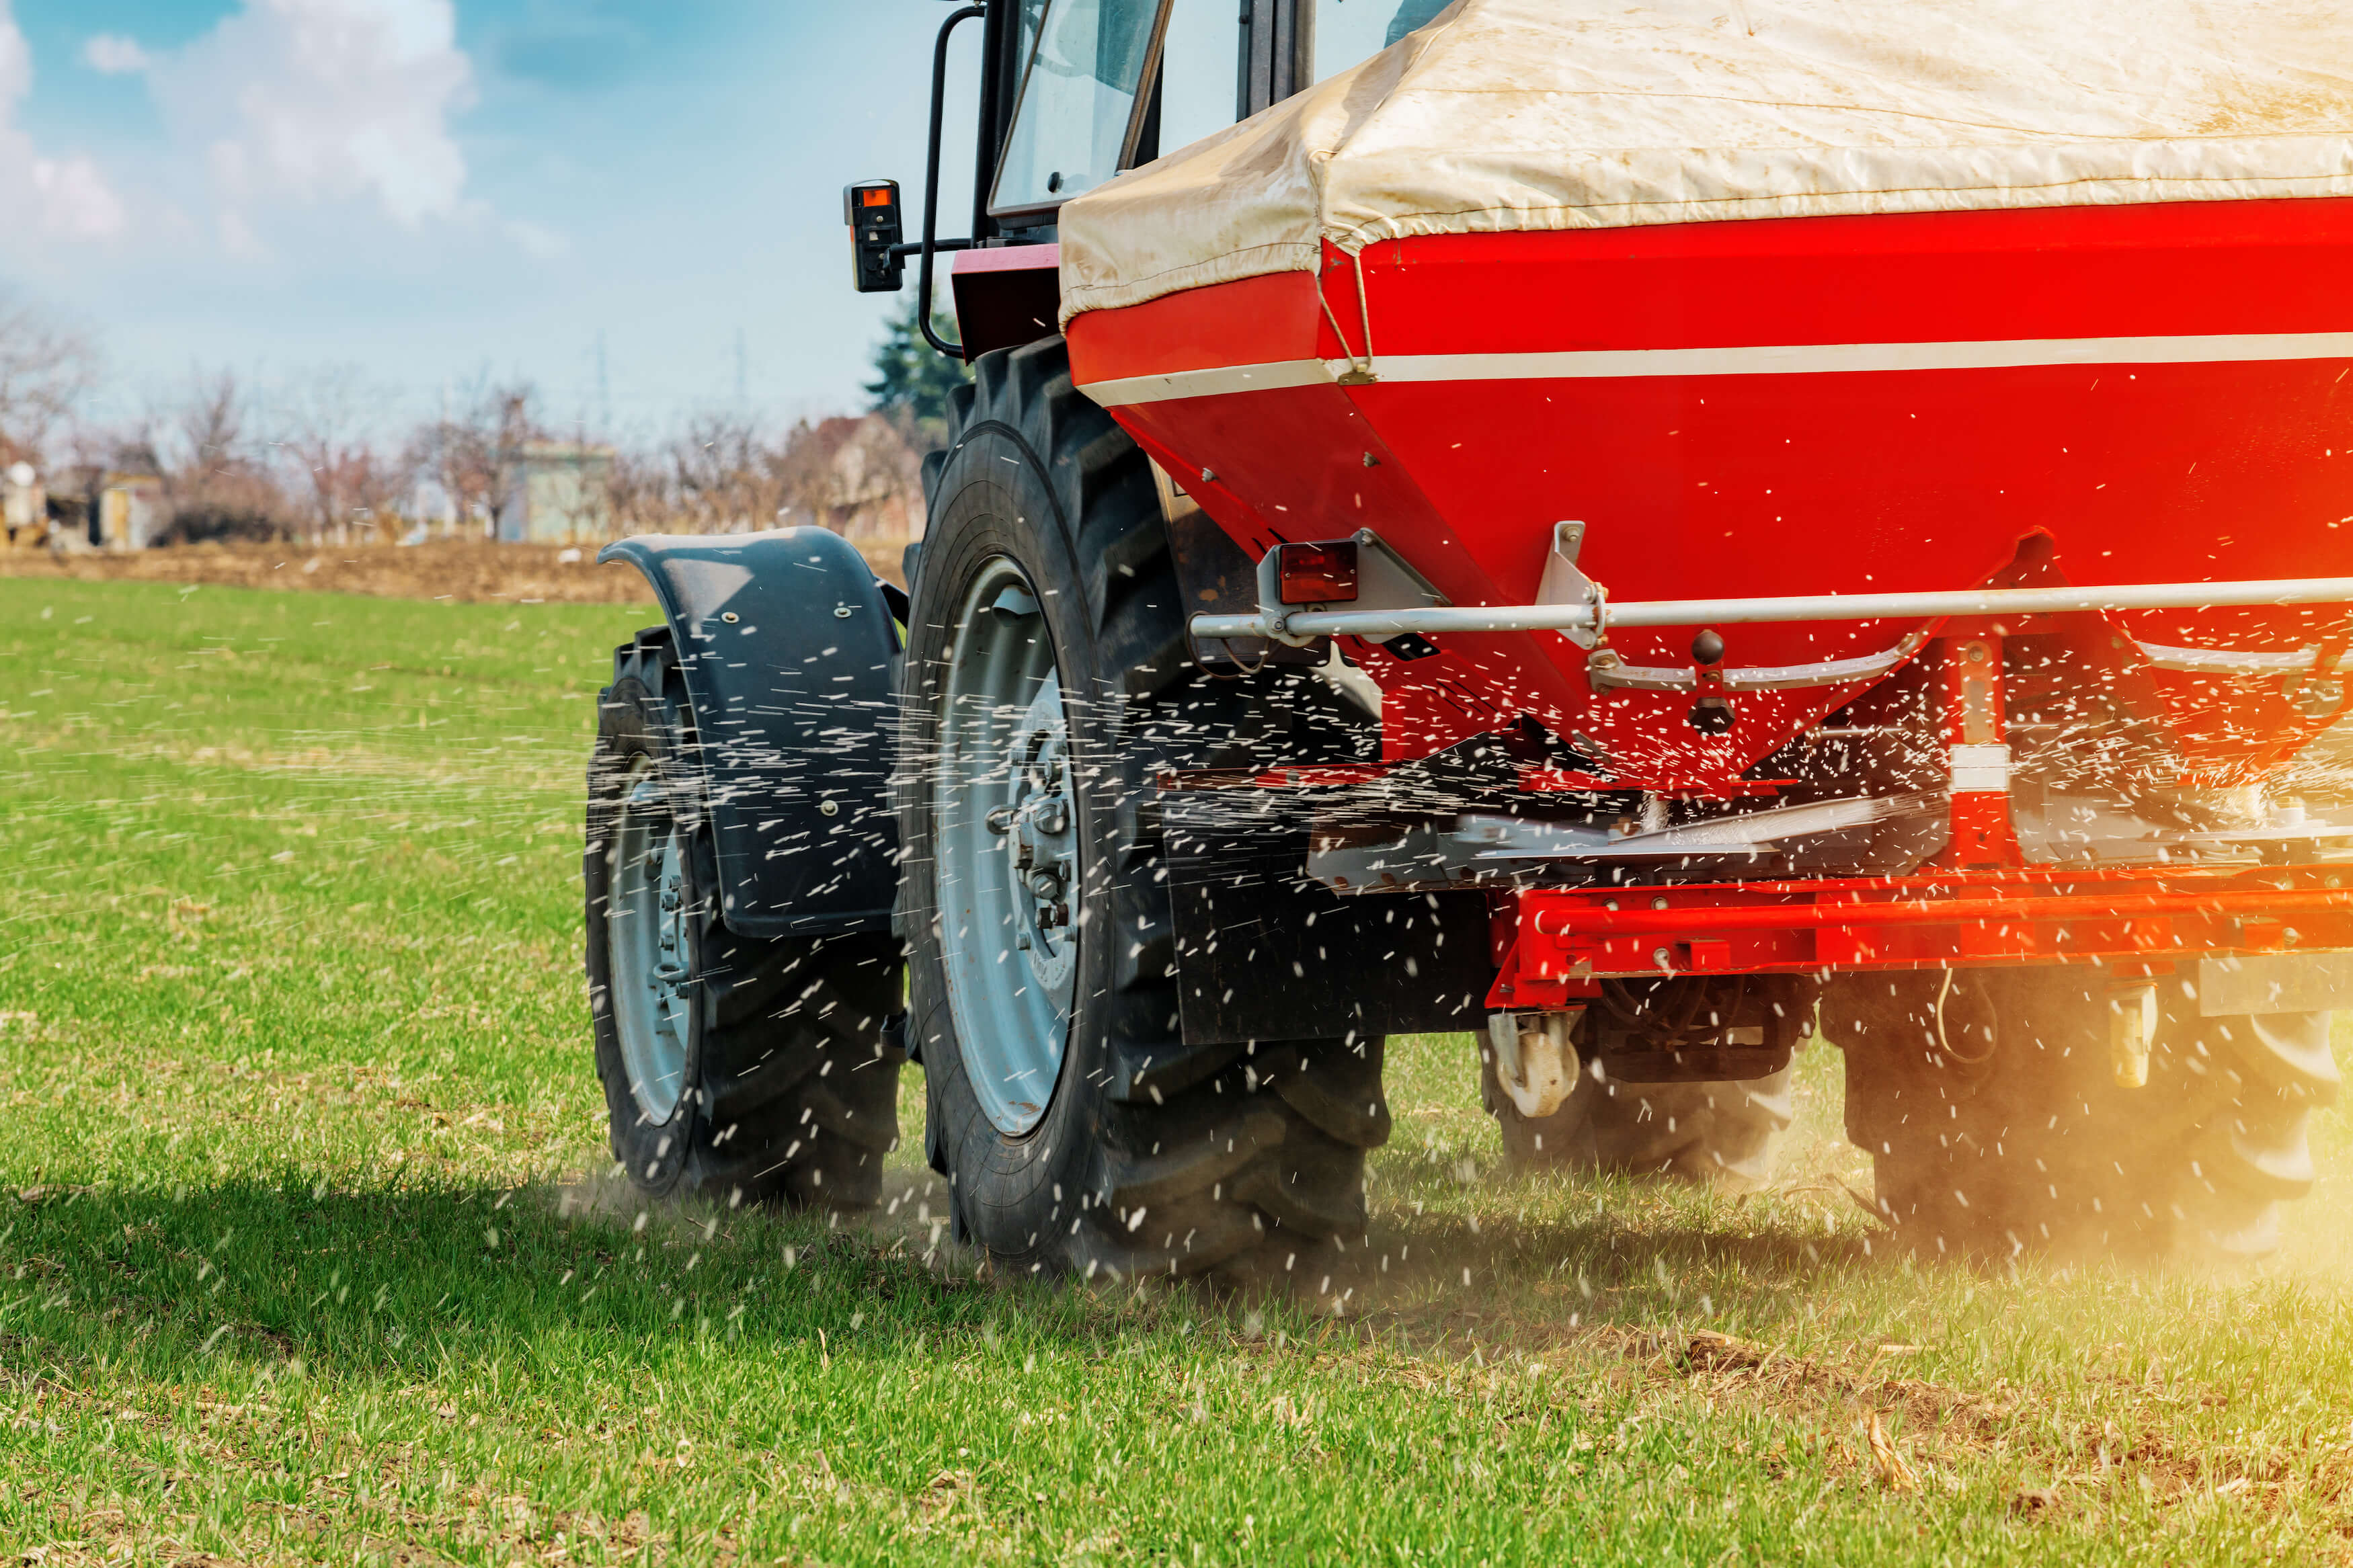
639	486
209	421
343	481
468	449
723	474
46	363
728	479
214	476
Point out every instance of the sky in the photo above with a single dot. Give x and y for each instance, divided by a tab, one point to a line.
431	190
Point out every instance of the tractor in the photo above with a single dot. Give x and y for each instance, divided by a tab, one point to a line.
1642	537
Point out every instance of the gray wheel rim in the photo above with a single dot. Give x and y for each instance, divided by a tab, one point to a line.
649	941
1007	841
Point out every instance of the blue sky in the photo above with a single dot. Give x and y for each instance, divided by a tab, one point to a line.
425	188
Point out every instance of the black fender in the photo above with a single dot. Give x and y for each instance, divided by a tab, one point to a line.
789	645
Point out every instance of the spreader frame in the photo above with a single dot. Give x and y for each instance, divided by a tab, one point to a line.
1561	943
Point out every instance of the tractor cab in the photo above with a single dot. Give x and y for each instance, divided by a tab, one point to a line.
1073	93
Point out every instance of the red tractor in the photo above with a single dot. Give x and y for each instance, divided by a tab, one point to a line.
1642	536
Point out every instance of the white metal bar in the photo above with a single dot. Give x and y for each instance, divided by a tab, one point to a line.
1442	618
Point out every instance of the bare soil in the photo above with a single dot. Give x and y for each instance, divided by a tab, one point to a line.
469	571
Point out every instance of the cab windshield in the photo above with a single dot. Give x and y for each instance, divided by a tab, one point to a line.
1110	83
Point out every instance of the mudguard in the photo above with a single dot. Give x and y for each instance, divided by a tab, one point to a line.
787	641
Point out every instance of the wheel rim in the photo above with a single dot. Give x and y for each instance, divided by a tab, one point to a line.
650	940
1007	840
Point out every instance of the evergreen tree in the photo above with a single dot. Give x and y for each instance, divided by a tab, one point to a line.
912	379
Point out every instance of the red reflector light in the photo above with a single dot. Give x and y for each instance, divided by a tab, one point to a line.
1316	573
875	196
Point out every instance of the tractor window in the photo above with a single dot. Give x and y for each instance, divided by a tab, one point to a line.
1024	22
1196	71
1077	114
1349	32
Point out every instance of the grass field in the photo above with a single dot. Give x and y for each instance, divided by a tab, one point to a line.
308	1251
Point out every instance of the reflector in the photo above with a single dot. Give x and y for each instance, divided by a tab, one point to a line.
1322	573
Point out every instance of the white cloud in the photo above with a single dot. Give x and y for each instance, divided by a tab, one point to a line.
65	197
110	54
75	200
316	100
293	130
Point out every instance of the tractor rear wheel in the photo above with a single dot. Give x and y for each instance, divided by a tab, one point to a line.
737	1068
1988	1104
1047	683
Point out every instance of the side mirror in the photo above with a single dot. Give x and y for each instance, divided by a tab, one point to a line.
871	209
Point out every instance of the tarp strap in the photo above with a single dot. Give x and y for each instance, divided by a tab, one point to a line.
1358	369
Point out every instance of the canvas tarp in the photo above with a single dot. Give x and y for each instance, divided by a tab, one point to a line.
1555	114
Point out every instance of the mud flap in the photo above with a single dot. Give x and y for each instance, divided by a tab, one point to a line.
787	640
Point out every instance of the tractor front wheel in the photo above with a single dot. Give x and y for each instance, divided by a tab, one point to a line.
740	1068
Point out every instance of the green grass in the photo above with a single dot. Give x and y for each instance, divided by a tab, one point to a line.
308	1250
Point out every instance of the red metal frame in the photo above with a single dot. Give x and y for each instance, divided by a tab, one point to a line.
1558	945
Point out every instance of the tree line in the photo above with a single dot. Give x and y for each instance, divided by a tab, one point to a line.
312	458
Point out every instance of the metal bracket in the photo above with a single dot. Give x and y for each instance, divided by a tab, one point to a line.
2227	660
1604	672
1385	582
2321	696
1564	583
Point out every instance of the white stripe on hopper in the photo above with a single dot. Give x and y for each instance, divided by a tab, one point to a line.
1798	359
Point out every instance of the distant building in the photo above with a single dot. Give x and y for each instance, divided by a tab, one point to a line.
131	510
432	510
555	491
23	505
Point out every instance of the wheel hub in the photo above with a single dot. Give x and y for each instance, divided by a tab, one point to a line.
1040	840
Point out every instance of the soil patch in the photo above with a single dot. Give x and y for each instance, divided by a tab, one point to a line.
464	570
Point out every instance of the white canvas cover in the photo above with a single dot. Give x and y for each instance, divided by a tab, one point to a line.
1553	114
